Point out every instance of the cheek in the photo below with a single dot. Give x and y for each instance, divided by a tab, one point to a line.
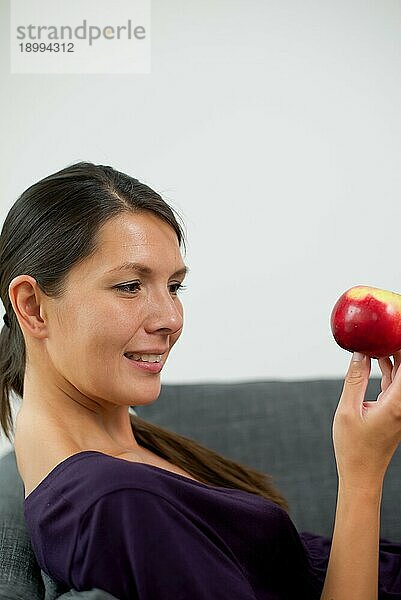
177	334
175	337
105	319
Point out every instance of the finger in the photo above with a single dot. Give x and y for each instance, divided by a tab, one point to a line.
386	367
355	382
393	393
397	362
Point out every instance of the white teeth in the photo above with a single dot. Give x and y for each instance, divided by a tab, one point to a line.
146	357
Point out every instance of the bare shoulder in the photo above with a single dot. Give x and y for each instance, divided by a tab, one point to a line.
38	449
41	445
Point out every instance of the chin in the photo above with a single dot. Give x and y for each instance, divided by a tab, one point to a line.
145	398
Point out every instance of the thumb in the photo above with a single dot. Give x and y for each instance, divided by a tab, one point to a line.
356	381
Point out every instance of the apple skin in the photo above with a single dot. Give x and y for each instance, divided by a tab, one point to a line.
368	320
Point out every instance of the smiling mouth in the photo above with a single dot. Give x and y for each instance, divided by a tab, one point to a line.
149	358
150	367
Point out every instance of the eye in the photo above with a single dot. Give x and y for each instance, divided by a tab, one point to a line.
124	287
180	287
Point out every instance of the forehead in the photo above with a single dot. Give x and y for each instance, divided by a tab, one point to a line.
141	238
144	229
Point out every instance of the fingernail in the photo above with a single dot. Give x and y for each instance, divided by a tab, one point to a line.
357	356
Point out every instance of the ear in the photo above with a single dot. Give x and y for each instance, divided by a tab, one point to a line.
25	297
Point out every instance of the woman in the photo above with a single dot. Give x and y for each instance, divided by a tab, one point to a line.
91	271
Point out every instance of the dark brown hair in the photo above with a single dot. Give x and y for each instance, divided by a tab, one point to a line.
51	227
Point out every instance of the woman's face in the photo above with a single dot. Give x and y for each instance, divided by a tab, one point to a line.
107	312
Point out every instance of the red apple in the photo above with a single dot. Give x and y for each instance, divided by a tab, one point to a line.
368	320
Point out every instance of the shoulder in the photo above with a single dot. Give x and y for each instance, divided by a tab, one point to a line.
36	460
86	501
89	476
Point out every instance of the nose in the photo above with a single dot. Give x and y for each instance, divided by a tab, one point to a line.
164	312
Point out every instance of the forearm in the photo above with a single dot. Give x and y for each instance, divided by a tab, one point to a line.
354	558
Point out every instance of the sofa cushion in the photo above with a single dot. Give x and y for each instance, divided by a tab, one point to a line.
20	576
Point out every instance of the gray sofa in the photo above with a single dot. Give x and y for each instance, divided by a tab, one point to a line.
280	427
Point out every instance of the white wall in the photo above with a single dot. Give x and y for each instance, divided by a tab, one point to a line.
274	128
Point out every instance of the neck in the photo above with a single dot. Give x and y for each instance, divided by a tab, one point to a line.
53	409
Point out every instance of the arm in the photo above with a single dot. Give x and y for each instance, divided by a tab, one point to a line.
365	436
354	556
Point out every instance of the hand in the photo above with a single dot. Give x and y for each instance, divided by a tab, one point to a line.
366	434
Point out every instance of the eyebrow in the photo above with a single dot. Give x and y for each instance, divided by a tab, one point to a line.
144	270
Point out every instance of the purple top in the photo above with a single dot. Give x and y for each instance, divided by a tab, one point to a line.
141	532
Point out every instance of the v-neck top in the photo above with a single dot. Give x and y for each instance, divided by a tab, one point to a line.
138	531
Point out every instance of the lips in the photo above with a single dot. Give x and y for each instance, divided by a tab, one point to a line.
146	366
129	355
149	351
